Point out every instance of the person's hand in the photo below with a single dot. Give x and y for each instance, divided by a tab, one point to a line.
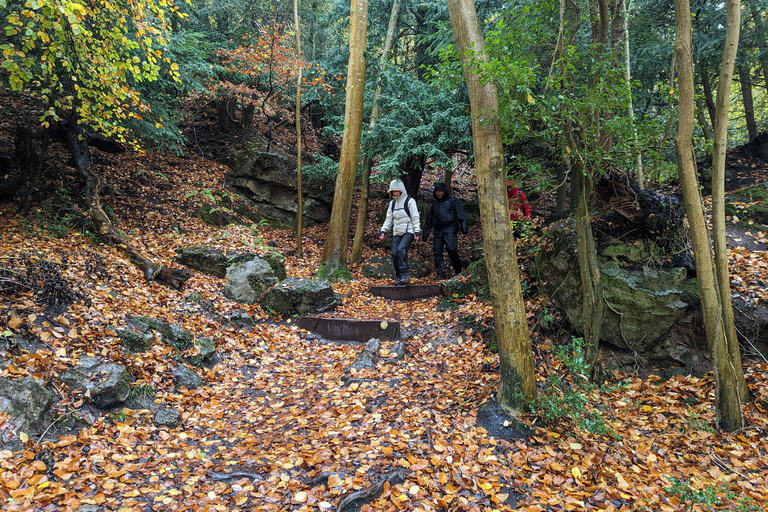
416	238
381	236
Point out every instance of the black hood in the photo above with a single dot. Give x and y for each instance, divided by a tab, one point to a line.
441	186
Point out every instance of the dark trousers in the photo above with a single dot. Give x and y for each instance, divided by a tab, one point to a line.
400	246
446	239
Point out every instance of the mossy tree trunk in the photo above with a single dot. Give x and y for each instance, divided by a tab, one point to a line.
517	379
336	242
362	210
727	387
720	145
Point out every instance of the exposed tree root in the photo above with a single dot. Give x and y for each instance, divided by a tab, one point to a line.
373	490
78	147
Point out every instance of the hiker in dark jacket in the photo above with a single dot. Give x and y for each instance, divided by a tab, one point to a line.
446	216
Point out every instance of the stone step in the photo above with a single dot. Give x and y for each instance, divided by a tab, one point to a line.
350	329
415	291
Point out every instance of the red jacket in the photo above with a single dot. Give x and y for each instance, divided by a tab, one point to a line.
518	203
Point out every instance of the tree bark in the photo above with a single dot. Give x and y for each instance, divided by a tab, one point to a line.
702	119
77	144
734	373
362	209
706	86
300	197
746	97
335	250
517	379
762	44
727	397
628	78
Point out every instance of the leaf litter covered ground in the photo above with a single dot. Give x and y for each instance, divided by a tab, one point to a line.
282	425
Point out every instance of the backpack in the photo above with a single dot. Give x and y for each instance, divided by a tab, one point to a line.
407	209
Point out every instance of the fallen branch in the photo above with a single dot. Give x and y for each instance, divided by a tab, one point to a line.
321	479
223	477
373	490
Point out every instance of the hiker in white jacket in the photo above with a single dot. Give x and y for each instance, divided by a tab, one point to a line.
403	220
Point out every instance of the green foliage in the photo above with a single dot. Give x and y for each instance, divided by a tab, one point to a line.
84	59
567	395
141	392
324	168
419	122
119	416
711	497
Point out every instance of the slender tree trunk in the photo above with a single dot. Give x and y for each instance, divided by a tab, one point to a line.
300	201
735	370
573	20
362	210
727	397
517	379
746	97
706	85
762	44
702	119
335	250
628	77
589	269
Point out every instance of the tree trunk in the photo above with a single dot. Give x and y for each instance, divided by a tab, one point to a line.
77	143
517	379
760	35
727	396
413	169
589	269
628	78
300	197
362	209
702	119
735	372
706	86
746	96
335	250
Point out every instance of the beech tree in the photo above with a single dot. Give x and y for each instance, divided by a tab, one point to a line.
82	61
300	198
517	379
729	379
335	250
362	211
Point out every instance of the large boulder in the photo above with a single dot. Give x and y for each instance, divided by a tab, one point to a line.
641	303
269	182
247	281
27	403
215	262
106	384
300	295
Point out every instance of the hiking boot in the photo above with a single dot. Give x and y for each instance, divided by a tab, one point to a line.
403	281
440	277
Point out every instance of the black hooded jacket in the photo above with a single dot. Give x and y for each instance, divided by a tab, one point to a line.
445	212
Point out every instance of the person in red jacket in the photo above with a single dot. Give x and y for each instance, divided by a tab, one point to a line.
519	209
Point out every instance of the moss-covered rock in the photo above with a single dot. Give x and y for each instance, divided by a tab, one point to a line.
473	280
299	295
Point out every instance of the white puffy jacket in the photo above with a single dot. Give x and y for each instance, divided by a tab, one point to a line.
397	219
